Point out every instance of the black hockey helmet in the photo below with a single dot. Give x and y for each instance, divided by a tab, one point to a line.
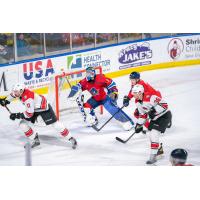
178	156
134	75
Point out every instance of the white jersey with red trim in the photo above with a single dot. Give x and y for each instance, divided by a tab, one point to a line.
149	102
32	102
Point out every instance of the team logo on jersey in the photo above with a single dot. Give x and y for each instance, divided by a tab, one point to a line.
175	48
94	91
134	53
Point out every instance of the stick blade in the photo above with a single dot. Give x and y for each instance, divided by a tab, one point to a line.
120	140
95	128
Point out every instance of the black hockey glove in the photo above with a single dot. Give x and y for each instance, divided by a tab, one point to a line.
126	101
4	102
138	128
14	116
152	113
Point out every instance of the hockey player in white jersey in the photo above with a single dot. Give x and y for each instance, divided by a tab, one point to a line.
35	105
151	105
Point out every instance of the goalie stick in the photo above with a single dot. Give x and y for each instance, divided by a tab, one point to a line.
98	129
125	141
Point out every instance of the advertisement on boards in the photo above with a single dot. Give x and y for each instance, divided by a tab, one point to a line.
38	73
8	77
184	48
88	59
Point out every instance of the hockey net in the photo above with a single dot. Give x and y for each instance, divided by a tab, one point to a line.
60	88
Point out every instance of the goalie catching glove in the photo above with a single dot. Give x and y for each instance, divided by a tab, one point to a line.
14	116
4	102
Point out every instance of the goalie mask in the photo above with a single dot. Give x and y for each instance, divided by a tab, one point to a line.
90	74
18	90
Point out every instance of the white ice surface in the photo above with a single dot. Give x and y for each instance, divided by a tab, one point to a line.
180	87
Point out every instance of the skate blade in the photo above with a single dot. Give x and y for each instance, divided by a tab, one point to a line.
160	156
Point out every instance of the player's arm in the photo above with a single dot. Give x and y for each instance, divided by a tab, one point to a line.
142	118
158	106
127	98
6	100
112	88
28	113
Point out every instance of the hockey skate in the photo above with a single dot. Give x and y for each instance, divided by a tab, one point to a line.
169	125
154	157
74	142
160	152
36	141
91	120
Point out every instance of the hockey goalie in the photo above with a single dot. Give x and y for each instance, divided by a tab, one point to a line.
104	92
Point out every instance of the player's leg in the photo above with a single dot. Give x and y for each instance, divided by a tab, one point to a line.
29	133
89	106
154	146
50	118
156	127
119	115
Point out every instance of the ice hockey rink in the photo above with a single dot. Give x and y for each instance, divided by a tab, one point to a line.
180	87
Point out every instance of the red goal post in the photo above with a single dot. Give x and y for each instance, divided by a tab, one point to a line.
69	76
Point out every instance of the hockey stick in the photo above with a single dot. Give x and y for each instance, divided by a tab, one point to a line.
7	109
125	141
98	129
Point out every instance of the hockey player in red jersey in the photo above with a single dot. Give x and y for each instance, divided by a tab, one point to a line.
104	92
178	157
151	106
35	105
135	79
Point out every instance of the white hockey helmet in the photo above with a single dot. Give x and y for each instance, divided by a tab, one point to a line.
18	89
138	88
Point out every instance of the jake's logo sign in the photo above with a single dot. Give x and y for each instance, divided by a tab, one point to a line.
38	69
175	48
135	53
